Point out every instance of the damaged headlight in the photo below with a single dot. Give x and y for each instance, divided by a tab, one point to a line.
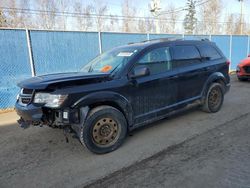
49	100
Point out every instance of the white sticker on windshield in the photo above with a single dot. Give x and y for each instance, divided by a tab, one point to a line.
125	54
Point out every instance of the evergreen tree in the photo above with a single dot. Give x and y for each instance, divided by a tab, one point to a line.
190	19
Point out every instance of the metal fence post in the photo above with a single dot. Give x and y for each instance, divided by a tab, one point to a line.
32	66
248	44
147	36
230	52
100	42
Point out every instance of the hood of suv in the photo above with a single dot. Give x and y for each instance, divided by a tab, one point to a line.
245	62
62	80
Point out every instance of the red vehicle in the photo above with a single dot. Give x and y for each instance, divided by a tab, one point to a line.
243	69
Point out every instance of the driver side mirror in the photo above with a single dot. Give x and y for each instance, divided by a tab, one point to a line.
248	55
139	71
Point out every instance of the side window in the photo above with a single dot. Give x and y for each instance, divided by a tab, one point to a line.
157	60
185	56
209	52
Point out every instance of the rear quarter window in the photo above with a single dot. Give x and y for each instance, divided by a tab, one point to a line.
208	51
185	52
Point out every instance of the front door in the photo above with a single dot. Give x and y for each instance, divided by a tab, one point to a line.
152	94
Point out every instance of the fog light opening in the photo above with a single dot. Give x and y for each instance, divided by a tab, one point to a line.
65	115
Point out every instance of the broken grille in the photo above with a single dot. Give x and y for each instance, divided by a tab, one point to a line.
25	96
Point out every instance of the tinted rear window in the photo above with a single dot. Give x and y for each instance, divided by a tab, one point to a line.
185	52
208	51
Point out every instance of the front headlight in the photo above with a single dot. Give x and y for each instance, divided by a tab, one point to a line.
49	100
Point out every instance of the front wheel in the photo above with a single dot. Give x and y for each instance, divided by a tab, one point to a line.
104	130
214	98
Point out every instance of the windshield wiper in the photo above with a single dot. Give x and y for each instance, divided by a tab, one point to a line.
90	69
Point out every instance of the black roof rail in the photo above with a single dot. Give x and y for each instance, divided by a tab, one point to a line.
169	39
164	39
159	39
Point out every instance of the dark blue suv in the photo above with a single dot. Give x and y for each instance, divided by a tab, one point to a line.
125	88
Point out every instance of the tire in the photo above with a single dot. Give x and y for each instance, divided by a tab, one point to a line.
104	130
214	98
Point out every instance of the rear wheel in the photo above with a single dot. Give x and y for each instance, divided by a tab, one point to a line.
104	130
214	98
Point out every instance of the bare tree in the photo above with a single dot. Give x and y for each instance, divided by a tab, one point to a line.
149	25
233	25
12	16
239	23
168	19
3	22
128	12
84	19
173	17
210	15
113	23
47	19
62	19
16	18
229	29
142	28
163	24
100	10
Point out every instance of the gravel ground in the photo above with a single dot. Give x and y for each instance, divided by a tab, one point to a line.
40	157
217	158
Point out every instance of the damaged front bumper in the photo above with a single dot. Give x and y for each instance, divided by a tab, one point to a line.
29	114
38	115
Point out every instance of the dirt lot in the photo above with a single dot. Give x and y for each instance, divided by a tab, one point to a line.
40	156
217	158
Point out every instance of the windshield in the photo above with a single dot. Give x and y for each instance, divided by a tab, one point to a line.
110	61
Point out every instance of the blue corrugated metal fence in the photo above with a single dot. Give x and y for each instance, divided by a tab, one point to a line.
58	51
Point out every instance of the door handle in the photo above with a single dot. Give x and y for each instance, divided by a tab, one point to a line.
132	82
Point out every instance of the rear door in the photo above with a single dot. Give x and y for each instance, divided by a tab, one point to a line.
212	57
193	71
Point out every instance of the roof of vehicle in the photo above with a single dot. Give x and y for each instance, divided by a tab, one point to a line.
176	41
